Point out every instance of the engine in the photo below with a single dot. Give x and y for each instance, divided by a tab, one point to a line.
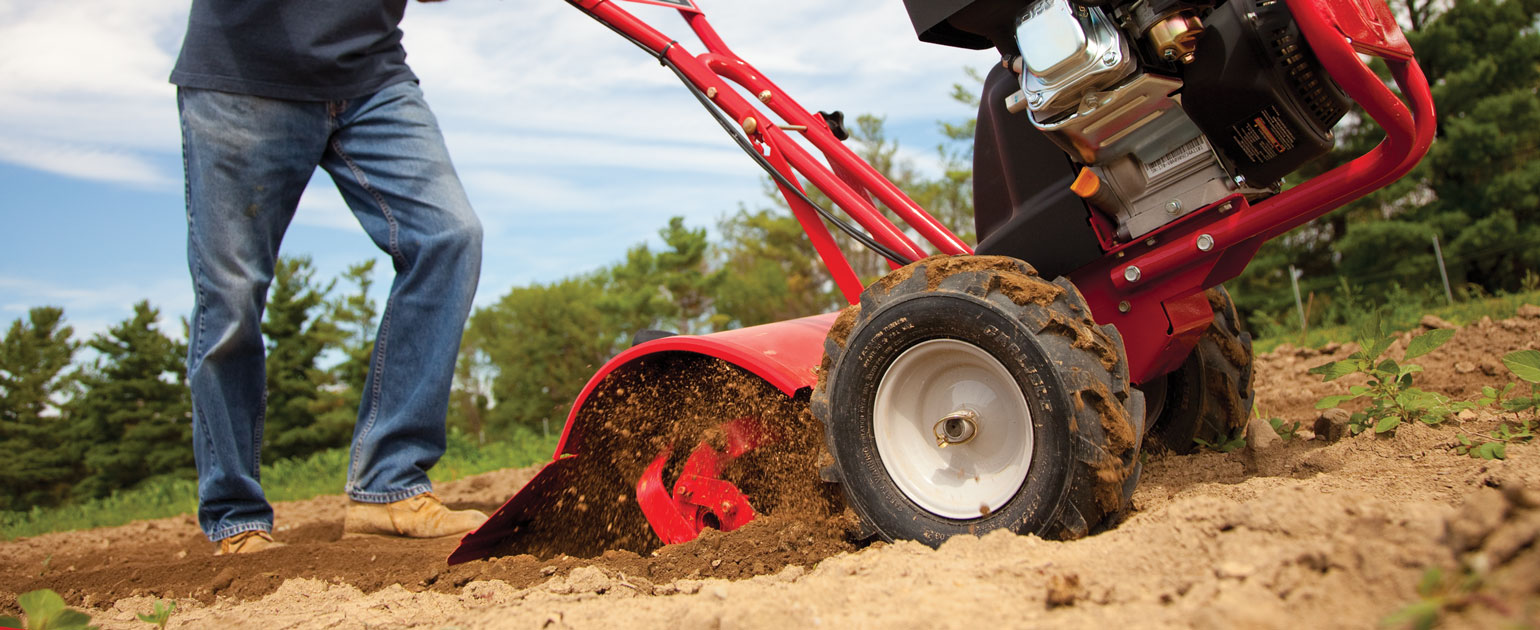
1162	107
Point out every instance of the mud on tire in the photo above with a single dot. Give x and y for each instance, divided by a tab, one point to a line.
1210	396
1082	440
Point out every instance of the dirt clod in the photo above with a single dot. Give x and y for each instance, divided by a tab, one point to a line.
1332	424
1064	590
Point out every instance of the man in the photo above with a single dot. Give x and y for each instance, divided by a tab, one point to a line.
268	90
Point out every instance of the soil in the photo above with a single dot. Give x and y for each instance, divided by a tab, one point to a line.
1284	533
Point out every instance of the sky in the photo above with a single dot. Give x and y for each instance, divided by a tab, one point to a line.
573	145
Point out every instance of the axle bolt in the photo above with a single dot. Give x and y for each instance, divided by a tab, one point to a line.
958	427
1132	273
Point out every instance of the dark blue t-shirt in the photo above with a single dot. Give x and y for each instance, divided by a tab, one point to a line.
306	50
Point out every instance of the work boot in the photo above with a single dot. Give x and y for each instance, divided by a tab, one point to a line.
247	542
422	516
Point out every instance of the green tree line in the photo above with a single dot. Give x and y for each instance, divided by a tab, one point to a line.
1477	191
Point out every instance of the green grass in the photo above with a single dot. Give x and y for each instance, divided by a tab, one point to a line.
1403	316
286	480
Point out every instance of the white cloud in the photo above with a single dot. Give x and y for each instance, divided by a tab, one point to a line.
93	309
89	162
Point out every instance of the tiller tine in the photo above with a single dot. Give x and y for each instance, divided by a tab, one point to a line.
581	503
701	498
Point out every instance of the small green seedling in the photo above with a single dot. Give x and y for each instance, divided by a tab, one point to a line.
1228	444
1287	431
45	610
1525	364
1392	398
160	615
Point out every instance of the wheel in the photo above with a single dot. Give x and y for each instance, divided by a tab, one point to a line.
1210	396
965	394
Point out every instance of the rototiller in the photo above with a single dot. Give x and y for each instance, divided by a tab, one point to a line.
1128	159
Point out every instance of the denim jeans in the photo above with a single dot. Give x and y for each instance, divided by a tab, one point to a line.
247	159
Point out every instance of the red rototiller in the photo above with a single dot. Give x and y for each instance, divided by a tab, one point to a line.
1129	159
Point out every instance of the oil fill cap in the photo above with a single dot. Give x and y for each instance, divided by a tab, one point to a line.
1087	184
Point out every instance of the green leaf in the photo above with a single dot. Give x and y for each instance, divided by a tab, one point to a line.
1431	580
1428	342
1421	615
1525	364
1410	369
1388	366
1379	347
1333	371
40	604
1518	404
1387	424
71	620
1492	450
1359	390
10	622
1332	401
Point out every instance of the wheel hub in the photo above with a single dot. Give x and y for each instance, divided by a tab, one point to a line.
958	427
942	465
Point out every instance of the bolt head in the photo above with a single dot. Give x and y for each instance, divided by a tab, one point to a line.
1035	98
1110	58
1132	273
1205	242
1174	206
1124	306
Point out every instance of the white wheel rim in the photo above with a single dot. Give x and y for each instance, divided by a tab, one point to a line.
932	381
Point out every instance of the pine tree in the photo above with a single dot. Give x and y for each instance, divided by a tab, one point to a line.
132	420
353	316
685	278
34	356
297	336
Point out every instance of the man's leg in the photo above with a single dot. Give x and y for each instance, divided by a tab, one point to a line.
388	159
247	159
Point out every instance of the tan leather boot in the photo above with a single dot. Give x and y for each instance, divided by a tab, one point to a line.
247	542
422	516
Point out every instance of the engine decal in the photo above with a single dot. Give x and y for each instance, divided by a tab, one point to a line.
1263	135
1177	157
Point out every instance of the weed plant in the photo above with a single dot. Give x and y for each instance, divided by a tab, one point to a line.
1524	364
285	480
45	610
1389	390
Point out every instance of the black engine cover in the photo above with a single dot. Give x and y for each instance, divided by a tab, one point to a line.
1259	93
1022	203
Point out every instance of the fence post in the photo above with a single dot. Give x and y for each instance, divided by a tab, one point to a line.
1438	252
1299	305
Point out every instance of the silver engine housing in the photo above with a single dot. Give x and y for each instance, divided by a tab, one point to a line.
1082	85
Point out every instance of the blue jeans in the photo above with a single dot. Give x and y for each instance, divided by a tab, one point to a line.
247	160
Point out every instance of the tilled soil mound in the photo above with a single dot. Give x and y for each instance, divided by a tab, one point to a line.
1282	534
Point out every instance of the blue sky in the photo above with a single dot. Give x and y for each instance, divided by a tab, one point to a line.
573	145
